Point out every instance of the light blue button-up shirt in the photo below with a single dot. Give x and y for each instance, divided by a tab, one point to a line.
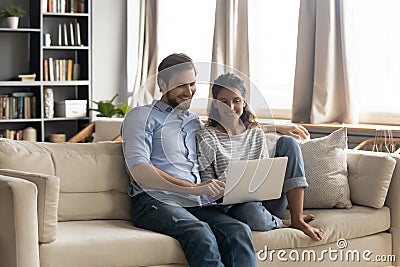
154	134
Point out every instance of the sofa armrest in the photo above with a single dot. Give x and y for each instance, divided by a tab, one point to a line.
392	198
19	244
48	187
393	202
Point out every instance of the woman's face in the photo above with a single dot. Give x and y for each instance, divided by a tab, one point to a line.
230	103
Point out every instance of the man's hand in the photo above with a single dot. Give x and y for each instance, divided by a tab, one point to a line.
295	130
212	188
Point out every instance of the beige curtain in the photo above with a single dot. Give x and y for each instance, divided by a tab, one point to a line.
230	44
142	50
324	85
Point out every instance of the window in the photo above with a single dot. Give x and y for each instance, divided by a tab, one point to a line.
272	44
187	26
375	53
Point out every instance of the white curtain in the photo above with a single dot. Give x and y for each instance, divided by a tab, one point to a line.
142	51
324	87
230	44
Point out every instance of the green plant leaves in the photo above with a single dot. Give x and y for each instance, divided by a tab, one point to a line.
13	11
106	108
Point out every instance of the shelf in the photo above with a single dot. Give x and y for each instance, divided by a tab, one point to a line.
57	47
19	120
65	14
65	83
65	119
22	50
26	30
19	83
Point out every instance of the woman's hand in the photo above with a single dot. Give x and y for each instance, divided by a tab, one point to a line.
294	130
212	188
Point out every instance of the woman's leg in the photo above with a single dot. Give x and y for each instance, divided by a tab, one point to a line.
255	215
293	187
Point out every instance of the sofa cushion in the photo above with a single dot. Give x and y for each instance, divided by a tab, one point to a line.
97	242
106	129
369	175
109	243
47	201
336	223
93	178
326	171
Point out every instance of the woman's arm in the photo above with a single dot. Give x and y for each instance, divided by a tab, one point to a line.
296	131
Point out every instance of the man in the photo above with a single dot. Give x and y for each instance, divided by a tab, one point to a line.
167	196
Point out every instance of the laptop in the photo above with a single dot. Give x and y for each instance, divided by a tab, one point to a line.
254	180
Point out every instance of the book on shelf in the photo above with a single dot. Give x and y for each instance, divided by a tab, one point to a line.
20	105
71	30
11	134
69	69
57	70
21	94
44	5
65	35
59	35
76	73
78	34
62	70
65	6
51	69
62	6
46	69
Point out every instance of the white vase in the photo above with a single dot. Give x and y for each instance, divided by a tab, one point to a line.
13	22
48	103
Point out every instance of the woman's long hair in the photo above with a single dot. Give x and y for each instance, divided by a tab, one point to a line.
230	80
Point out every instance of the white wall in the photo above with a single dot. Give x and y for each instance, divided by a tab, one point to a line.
109	49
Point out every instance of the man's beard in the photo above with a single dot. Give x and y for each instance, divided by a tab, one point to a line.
181	106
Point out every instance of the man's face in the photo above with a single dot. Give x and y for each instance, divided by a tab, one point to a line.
180	89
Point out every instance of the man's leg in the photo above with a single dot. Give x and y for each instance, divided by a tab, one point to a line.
234	237
196	238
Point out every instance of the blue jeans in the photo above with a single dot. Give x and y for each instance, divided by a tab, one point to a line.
287	146
260	216
207	235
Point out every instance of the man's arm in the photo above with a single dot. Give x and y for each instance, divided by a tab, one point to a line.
146	175
137	145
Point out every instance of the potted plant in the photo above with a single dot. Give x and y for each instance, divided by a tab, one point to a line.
13	13
106	108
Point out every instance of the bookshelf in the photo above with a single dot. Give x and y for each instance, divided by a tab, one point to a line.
25	51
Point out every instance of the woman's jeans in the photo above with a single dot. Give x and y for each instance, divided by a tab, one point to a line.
264	216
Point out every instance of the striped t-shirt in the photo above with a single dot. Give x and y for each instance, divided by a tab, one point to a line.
216	149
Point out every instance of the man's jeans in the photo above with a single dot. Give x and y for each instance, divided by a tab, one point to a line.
208	236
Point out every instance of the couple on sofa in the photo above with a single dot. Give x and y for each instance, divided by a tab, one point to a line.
177	169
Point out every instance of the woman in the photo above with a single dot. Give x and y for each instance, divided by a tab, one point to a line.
234	134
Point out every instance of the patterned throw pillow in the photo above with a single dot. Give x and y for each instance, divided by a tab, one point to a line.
325	165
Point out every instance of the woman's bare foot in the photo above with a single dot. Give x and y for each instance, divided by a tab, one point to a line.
302	225
307	218
315	233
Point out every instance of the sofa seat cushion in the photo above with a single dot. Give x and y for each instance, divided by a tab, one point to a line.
337	224
109	243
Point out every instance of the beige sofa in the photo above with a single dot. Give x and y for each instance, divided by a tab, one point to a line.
66	205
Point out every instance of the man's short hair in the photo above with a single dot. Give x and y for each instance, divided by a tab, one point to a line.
174	63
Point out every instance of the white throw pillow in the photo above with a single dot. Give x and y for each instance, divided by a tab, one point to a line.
325	164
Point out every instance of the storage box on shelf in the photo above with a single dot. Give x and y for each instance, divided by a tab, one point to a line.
27	50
